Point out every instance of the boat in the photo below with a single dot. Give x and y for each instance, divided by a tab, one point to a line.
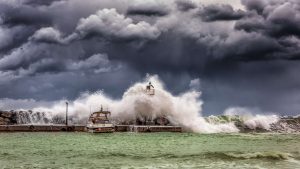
99	122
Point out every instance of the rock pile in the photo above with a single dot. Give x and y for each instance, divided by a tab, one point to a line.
284	125
28	117
8	117
287	125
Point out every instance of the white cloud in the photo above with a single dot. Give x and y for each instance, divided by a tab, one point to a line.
235	3
97	63
19	56
109	23
93	61
49	35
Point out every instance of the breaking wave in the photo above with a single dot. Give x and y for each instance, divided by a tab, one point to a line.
183	110
246	119
217	155
254	155
253	119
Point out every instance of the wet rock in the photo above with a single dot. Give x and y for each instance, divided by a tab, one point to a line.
5	114
4	121
287	125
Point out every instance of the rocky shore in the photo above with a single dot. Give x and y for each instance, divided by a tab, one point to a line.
8	117
287	125
282	125
28	117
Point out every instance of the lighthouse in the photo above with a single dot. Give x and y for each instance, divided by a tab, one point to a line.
150	89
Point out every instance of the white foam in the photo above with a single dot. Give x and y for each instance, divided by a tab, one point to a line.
184	109
253	118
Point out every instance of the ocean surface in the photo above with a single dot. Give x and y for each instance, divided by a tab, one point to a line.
149	150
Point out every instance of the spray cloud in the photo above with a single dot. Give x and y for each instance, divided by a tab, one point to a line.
184	109
253	118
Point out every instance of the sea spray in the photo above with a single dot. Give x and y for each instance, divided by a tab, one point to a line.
184	109
251	118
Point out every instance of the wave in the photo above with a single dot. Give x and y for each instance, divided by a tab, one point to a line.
184	110
211	155
254	155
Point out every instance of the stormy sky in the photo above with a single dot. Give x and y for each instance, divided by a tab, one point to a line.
238	52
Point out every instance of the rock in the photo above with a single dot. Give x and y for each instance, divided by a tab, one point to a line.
6	114
4	121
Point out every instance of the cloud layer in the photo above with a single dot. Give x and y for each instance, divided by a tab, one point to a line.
245	53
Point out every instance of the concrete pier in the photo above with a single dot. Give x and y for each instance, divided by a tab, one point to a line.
81	128
42	128
146	128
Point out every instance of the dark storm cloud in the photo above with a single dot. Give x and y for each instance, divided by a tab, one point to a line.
257	5
275	18
39	2
15	14
220	12
111	24
148	10
185	5
61	48
14	37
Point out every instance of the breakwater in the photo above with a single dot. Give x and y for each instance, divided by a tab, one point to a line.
40	121
29	117
81	128
41	128
282	125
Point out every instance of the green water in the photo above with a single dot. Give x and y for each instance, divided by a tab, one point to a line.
149	150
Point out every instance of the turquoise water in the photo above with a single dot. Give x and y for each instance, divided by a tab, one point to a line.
149	150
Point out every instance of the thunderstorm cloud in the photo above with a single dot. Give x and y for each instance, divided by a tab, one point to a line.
242	52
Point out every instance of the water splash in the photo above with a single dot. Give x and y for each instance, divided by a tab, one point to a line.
30	117
184	109
252	118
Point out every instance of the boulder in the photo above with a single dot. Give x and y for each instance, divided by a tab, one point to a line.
6	114
7	120
3	121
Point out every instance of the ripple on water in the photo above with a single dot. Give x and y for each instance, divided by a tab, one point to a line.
151	150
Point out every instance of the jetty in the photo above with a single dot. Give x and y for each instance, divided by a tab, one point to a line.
82	128
98	122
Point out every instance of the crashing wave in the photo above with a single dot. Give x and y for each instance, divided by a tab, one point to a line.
184	110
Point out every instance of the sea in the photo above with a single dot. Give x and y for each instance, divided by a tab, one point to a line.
72	150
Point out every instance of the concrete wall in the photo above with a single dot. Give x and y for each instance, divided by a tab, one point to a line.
38	128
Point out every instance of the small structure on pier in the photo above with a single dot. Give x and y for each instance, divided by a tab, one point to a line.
150	89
